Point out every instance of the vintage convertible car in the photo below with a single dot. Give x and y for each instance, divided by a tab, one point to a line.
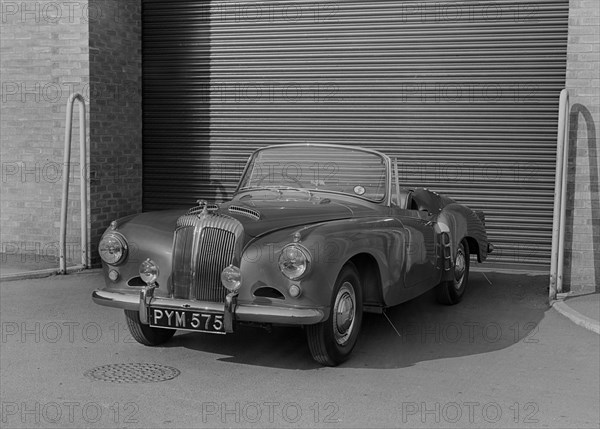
314	235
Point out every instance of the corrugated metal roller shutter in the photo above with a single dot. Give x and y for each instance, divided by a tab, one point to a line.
465	94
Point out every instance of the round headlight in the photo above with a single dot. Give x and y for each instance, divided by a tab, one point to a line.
294	261
231	277
112	248
148	271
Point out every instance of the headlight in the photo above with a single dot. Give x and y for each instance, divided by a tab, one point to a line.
294	261
231	277
148	271
113	248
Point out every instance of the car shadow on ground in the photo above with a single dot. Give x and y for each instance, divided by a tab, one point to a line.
497	312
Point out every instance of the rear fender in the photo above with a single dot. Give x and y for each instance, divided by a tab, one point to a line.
460	223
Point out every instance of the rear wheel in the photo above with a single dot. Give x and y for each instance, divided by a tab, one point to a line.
451	292
332	341
144	334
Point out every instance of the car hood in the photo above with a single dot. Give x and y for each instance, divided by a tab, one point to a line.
151	227
258	216
261	216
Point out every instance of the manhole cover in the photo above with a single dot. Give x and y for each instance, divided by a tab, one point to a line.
132	373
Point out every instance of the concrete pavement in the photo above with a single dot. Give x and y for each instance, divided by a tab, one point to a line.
501	358
19	266
584	310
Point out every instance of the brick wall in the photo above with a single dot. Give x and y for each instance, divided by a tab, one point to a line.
582	273
43	59
116	114
48	51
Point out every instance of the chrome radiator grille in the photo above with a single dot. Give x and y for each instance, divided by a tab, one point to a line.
215	253
183	251
202	248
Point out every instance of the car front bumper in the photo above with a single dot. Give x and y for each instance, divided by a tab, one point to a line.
232	310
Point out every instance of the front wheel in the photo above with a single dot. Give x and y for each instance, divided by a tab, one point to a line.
452	291
144	334
332	341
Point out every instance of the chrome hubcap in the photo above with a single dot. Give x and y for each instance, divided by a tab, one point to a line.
344	311
459	268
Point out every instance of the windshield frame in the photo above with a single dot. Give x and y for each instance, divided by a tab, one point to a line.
386	200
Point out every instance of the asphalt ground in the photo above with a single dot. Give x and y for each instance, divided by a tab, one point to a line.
500	358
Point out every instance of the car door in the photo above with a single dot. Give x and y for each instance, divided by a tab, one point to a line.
420	264
421	256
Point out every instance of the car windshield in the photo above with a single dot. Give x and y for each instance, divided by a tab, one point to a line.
318	168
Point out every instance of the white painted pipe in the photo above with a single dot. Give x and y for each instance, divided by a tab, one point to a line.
563	198
66	177
560	192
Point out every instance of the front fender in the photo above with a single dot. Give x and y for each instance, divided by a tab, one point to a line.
148	235
332	245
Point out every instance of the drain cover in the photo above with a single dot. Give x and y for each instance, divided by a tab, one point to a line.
132	373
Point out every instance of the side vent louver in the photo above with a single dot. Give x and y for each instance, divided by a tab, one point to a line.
252	214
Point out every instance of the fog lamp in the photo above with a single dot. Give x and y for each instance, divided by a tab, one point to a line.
231	277
149	271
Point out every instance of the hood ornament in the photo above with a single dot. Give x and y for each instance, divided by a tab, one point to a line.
203	204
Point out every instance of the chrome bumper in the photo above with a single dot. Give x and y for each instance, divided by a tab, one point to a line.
231	309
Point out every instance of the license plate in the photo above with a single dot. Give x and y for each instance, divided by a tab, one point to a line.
190	320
